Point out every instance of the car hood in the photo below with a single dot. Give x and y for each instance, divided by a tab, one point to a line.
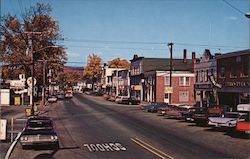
221	119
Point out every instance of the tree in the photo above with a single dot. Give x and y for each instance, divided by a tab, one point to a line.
93	70
36	31
119	63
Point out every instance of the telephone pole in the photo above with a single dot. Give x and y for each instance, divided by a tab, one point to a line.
170	45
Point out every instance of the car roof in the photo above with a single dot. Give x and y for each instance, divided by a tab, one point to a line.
39	118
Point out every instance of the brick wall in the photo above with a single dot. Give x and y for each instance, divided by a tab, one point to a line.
159	89
176	89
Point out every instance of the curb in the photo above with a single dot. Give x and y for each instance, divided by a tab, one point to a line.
12	146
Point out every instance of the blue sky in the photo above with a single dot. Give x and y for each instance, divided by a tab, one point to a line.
122	28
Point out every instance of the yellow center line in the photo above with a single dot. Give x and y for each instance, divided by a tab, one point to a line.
148	149
159	151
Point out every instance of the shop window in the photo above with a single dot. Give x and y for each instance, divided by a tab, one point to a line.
183	96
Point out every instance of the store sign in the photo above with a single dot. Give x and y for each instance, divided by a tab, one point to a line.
136	87
168	90
3	128
203	86
237	84
17	84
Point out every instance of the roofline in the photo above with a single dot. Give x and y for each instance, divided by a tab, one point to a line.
232	54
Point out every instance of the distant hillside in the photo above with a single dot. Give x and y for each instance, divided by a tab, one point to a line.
71	69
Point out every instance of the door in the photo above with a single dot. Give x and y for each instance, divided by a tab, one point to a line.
166	98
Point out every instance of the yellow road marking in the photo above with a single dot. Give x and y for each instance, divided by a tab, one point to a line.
170	157
148	149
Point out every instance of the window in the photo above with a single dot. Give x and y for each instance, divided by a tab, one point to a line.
244	70
222	72
206	76
233	72
201	76
167	80
183	96
197	76
184	81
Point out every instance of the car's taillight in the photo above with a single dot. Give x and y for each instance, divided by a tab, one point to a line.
54	137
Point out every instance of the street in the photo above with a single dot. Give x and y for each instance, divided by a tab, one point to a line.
90	127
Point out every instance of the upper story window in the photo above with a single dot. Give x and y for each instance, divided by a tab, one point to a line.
184	81
197	76
244	70
206	76
233	72
222	72
167	80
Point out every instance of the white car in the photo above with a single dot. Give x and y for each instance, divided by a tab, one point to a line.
52	99
228	120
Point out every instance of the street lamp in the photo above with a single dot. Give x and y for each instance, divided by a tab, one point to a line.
247	15
32	75
170	45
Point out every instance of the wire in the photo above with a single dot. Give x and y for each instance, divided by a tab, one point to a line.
145	43
233	7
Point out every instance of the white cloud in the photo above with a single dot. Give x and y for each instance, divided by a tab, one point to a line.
232	18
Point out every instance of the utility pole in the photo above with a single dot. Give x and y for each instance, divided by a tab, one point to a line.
44	81
170	78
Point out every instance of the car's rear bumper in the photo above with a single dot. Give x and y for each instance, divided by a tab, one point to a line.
44	144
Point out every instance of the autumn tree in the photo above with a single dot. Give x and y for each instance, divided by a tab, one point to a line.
93	70
36	32
119	63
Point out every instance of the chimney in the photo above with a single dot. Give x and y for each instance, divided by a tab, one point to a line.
193	60
185	56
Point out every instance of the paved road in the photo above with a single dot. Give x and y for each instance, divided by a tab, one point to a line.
89	127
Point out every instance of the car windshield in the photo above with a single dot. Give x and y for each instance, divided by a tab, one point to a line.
231	115
39	124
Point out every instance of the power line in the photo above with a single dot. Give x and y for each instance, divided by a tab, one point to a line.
145	43
233	7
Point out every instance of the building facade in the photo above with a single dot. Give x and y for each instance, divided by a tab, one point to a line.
205	86
145	76
233	75
157	87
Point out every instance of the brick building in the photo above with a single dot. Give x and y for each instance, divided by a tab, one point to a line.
233	74
156	82
157	88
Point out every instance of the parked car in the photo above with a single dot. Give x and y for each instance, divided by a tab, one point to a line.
129	100
39	132
60	96
153	107
106	96
244	126
176	111
119	99
52	99
133	100
187	115
229	119
201	114
112	99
